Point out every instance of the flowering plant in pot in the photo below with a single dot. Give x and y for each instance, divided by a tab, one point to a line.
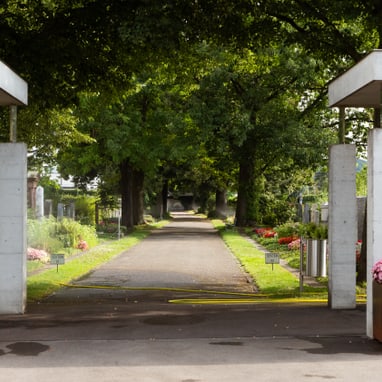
377	272
377	300
314	231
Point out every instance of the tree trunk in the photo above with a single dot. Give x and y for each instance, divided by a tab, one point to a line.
204	194
164	196
221	203
361	268
126	194
246	174
138	197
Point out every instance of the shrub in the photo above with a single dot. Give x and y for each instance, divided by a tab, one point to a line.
72	232
288	230
41	234
314	231
85	209
84	206
51	236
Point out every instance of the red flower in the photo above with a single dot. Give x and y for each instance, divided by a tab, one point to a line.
287	240
265	232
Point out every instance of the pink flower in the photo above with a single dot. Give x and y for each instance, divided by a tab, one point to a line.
377	271
293	245
37	254
83	245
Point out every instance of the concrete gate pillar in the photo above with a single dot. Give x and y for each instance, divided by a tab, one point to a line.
361	86
342	227
13	213
13	199
374	216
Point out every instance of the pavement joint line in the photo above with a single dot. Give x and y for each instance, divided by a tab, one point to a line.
256	298
305	337
206	291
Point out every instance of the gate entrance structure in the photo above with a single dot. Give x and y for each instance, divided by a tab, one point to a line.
13	199
361	86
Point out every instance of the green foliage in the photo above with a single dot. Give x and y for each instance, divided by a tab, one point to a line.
139	81
314	231
84	206
361	182
71	232
52	190
288	229
41	234
274	209
85	209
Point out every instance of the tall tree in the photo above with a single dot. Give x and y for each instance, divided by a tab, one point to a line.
256	105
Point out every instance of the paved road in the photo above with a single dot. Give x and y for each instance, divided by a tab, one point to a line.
136	335
188	254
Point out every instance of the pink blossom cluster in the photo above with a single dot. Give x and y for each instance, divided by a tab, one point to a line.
83	245
294	245
37	254
377	272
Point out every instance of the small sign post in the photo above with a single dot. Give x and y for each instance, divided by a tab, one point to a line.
272	258
57	259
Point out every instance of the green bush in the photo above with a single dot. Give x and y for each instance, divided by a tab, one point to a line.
314	231
71	233
40	234
274	210
84	207
288	229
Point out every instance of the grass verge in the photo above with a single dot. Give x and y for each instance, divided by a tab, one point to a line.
277	282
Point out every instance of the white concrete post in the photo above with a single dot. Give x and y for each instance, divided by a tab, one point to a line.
13	212
342	227
374	216
39	202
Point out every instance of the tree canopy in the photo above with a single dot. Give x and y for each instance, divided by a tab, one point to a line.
211	95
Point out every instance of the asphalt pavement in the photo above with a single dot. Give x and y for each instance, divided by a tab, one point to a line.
118	324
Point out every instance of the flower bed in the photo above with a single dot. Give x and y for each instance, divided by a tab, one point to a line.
34	254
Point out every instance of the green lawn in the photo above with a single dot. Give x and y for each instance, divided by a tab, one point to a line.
273	282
